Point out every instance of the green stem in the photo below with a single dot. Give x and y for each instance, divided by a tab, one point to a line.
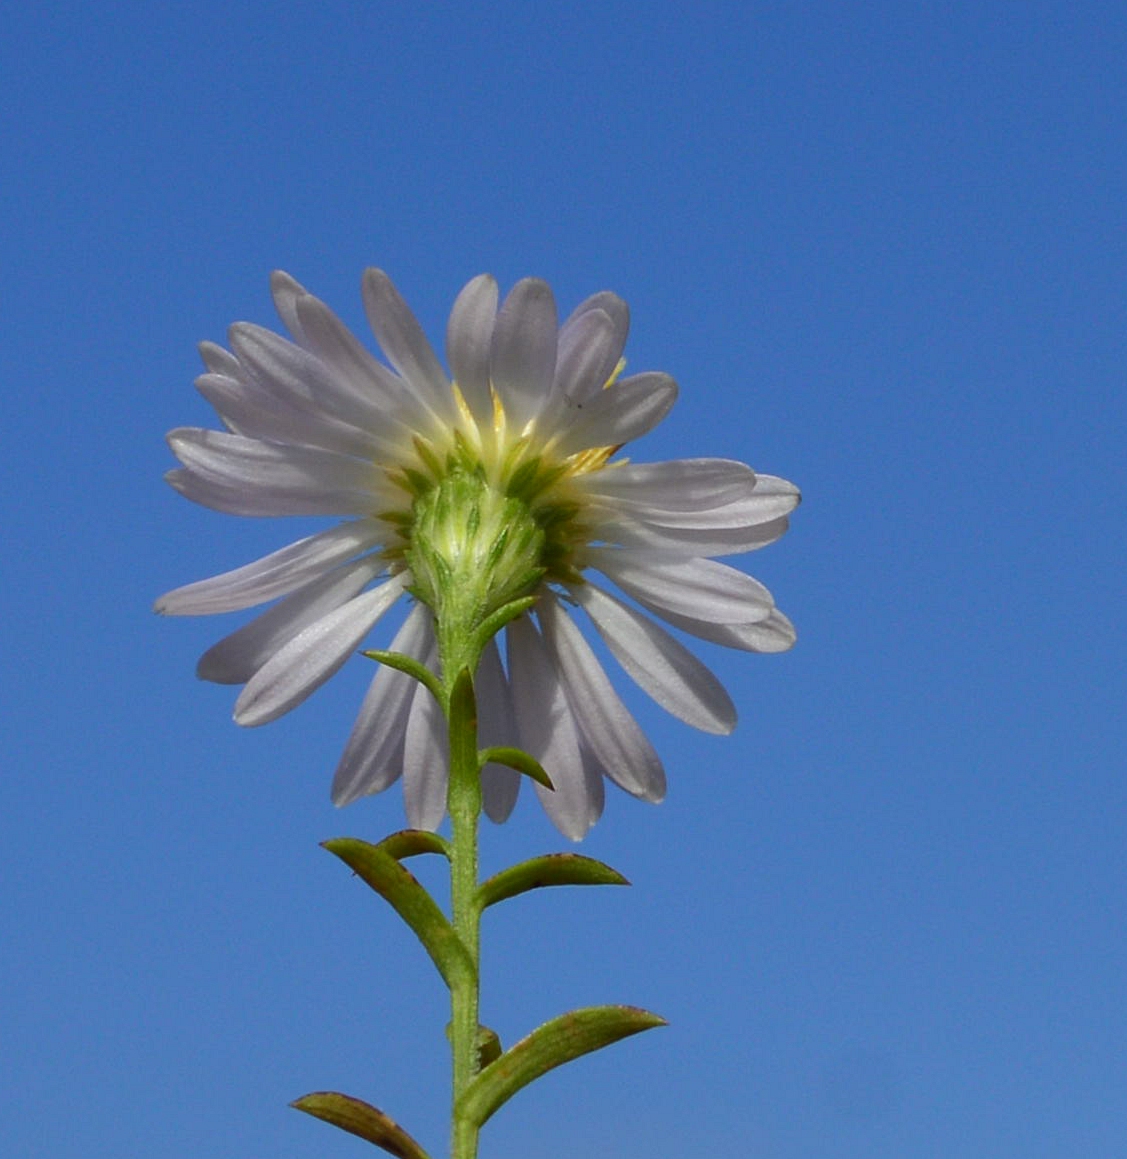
464	803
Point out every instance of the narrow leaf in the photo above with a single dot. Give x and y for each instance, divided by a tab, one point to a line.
409	665
491	625
411	901
412	842
548	1046
516	759
550	869
359	1118
463	722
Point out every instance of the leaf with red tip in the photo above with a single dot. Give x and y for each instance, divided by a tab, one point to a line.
360	1118
549	869
556	1042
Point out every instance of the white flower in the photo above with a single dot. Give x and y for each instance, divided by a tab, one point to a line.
317	426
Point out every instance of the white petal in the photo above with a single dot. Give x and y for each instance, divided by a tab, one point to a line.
469	337
699	493
252	410
312	656
615	526
273	575
673	485
285	291
762	507
500	785
667	670
219	361
402	339
256	478
701	588
373	758
613	734
611	305
774	634
367	393
236	658
547	730
523	355
310	386
625	411
589	358
425	762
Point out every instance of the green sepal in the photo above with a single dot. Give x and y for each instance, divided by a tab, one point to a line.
488	1044
550	869
410	666
556	1042
360	1118
516	759
411	902
412	842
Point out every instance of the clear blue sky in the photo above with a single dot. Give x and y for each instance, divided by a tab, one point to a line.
881	247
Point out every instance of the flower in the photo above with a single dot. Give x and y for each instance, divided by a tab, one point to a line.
525	435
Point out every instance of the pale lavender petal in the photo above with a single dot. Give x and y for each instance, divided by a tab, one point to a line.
766	503
673	485
402	339
285	292
425	762
701	588
667	670
368	394
595	786
774	634
373	758
310	386
273	575
258	478
589	358
219	361
616	526
547	730
236	658
611	305
523	355
625	411
500	785
250	409
614	736
469	337
312	656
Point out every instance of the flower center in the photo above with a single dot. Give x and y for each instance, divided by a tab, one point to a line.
490	521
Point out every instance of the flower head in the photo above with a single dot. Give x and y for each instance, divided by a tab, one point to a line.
467	492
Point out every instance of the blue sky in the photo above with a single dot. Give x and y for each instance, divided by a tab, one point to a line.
881	248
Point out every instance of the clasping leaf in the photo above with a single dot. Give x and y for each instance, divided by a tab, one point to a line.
411	901
550	869
548	1046
359	1118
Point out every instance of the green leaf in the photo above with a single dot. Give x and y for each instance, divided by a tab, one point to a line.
409	665
412	842
463	722
551	869
410	901
517	759
359	1118
491	625
548	1046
